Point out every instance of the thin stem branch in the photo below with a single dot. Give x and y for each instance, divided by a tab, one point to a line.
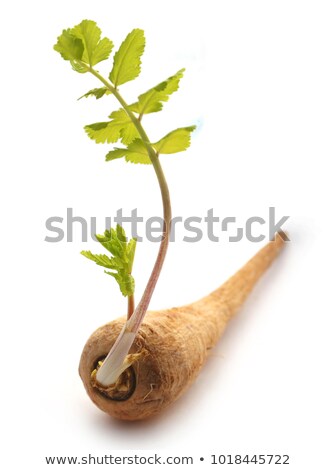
107	373
130	307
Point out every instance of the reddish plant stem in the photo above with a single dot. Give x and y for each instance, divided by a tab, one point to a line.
136	318
130	309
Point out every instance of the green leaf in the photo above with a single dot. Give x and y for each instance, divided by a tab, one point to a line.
152	100
101	260
69	46
102	132
120	127
131	251
176	141
136	152
115	154
121	261
127	60
111	242
128	131
125	281
97	92
95	49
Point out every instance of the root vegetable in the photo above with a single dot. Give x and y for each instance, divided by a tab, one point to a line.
170	347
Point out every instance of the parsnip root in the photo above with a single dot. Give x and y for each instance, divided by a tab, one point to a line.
171	346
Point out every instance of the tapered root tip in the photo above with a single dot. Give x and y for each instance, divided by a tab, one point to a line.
281	236
228	298
278	242
264	258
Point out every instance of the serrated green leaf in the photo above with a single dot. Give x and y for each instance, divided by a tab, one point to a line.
176	141
120	234
152	100
121	262
101	260
128	131
120	127
125	281
103	132
95	49
136	152
69	46
111	242
131	246
127	60
115	154
97	92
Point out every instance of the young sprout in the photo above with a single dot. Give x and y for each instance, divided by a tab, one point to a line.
83	47
120	264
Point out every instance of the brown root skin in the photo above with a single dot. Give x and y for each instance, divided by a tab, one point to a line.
173	345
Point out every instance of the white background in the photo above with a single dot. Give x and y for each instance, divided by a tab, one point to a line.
260	83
